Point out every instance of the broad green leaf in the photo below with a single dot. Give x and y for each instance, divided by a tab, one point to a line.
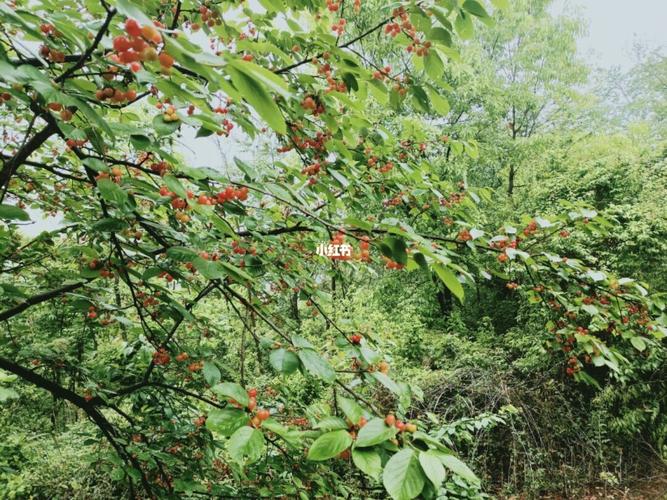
130	10
331	424
112	192
211	373
163	128
402	476
475	8
386	381
440	104
175	186
254	92
450	280
246	445
226	421
10	212
638	342
351	409
232	390
374	432
316	365
432	467
458	467
463	25
329	445
368	461
284	361
6	393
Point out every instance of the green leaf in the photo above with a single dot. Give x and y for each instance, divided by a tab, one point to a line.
386	381
368	461
458	467
163	128
129	9
175	186
112	192
6	394
440	104
402	476
432	467
246	445
316	365
329	445
395	249
10	212
211	373
232	390
463	25
226	421
254	92
331	424
475	8
351	409
434	67
284	361
450	280
374	432
638	342
501	4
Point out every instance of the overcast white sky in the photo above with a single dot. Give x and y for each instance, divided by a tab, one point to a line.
614	27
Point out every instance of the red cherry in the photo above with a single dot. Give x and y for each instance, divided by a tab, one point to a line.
121	44
263	414
390	420
132	27
166	60
252	393
135	67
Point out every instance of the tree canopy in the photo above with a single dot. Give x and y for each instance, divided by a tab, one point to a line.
170	299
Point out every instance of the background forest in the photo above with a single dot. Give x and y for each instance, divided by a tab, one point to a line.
531	129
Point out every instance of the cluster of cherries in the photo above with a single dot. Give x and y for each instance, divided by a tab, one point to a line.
453	199
115	175
105	272
115	95
382	74
74	143
65	114
138	46
259	415
161	357
193	367
159	167
392	264
339	27
210	17
310	104
364	249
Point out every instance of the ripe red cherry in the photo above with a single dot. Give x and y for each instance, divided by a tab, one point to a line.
390	420
135	67
355	339
166	60
263	414
132	27
252	393
252	404
121	44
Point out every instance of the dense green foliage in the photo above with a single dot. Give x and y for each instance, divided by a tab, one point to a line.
498	328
